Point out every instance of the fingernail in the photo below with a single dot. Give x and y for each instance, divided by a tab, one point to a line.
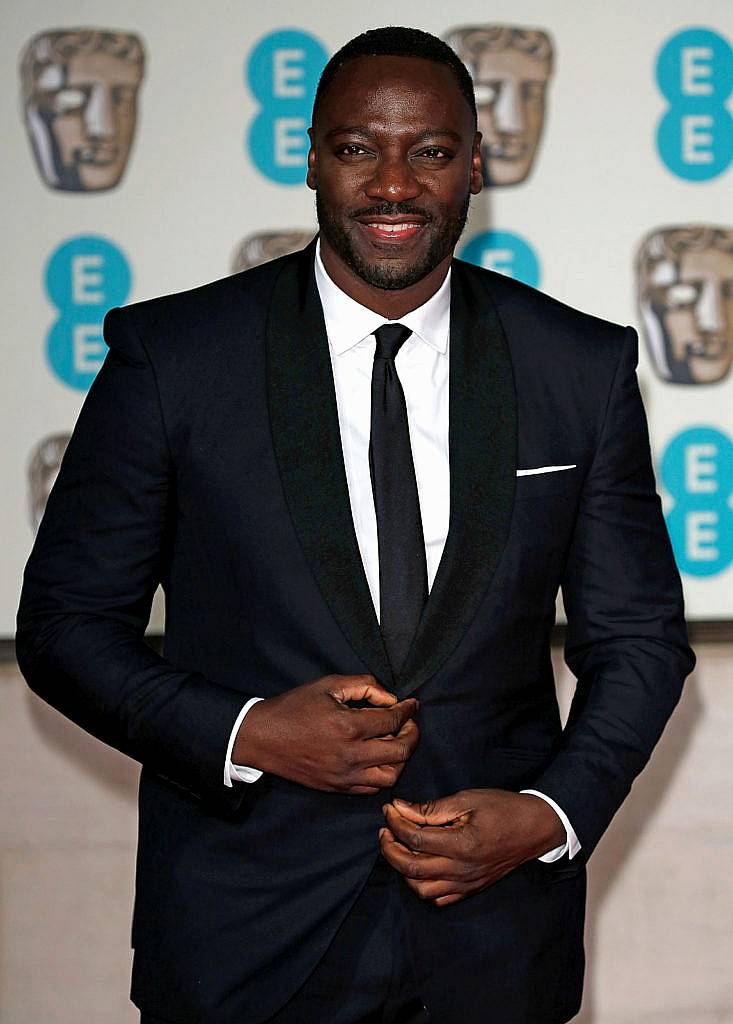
400	803
384	808
382	831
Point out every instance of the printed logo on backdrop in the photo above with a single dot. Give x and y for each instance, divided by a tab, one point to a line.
695	75
505	252
282	73
43	467
510	67
79	89
264	246
697	471
85	276
685	290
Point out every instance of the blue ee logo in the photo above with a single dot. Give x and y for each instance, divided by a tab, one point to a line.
695	75
282	73
85	277
697	470
504	252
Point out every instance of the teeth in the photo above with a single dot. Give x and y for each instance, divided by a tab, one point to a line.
394	228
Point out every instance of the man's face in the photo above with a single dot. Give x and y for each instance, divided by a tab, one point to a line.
81	117
510	99
394	159
690	301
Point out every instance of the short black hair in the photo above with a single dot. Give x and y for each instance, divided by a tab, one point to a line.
397	41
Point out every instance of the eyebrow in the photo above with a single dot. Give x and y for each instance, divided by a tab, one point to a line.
366	133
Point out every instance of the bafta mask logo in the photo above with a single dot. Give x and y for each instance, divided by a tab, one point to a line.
510	68
43	467
266	246
79	98
685	280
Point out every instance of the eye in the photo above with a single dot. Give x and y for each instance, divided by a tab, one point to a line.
485	93
533	91
350	149
434	153
66	100
122	94
681	294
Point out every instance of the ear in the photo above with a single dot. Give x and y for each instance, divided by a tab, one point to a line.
312	177
477	175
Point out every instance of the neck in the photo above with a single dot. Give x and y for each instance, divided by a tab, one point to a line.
391	304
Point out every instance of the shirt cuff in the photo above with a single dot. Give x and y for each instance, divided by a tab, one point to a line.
237	772
571	845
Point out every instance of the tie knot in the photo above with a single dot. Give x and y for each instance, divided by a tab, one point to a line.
390	338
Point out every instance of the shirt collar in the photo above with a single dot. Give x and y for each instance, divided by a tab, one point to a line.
348	322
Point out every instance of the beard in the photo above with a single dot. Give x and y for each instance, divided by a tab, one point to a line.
391	275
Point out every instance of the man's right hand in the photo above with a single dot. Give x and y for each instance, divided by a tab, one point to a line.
310	735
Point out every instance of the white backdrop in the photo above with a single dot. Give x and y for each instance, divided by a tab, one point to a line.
194	187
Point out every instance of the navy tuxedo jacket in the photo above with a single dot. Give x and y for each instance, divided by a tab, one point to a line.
207	457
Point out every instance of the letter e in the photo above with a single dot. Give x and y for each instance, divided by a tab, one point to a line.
89	348
700	536
86	280
701	468
695	65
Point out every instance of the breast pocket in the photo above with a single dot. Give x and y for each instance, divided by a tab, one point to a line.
544	484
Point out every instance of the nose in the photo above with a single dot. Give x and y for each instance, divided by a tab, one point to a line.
98	117
393	180
508	112
708	310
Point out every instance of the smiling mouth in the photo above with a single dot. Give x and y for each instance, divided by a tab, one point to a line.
392	231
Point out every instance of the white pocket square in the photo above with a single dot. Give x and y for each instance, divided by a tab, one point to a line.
544	469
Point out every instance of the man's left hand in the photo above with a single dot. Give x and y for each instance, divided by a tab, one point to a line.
449	848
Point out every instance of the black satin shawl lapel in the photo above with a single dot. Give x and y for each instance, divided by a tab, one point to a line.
307	442
483	461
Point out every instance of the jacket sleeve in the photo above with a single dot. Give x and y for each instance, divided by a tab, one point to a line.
90	579
626	636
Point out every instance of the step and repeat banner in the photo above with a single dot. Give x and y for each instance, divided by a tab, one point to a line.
149	148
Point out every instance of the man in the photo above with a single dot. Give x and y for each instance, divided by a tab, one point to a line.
80	98
685	278
288	459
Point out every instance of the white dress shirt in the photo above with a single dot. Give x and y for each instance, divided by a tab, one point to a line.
422	366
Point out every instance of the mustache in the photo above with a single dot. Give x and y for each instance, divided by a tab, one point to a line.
403	209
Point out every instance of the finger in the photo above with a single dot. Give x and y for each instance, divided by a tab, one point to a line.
435	812
436	889
445	901
382	776
417	867
363	687
388	749
441	841
382	752
384	721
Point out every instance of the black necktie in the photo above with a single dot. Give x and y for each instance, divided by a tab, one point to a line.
403	576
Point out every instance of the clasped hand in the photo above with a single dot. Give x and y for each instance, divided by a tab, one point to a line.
450	848
311	735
